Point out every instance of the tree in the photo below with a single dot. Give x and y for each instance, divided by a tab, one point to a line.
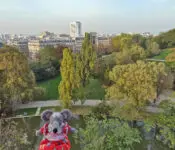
166	39
152	48
48	65
49	54
107	134
130	55
85	62
16	79
135	83
121	41
170	60
68	78
164	123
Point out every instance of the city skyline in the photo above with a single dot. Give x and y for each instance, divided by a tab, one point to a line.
112	16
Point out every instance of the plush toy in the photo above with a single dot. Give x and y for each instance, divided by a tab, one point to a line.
55	130
45	116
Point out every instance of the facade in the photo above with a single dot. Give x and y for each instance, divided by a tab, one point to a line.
36	45
21	45
78	44
105	41
75	29
146	34
93	38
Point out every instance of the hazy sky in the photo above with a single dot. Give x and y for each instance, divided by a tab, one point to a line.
107	16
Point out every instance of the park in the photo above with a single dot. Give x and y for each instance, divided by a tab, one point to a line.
124	95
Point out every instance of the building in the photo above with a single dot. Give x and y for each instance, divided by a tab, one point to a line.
75	29
78	44
146	34
36	45
93	38
105	41
22	45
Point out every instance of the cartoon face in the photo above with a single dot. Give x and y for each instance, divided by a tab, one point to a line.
56	123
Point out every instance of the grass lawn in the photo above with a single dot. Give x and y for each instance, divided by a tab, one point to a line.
94	89
164	53
51	87
80	110
29	111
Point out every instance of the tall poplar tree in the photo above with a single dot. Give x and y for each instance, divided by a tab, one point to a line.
85	61
67	73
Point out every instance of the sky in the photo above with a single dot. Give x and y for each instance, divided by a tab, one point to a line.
102	16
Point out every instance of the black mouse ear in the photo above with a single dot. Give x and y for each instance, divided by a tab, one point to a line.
45	115
67	114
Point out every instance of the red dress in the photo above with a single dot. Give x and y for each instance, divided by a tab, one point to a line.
66	128
44	129
55	145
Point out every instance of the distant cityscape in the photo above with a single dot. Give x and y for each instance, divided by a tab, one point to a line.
30	44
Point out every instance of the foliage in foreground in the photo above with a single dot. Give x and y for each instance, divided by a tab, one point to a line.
11	136
164	123
107	134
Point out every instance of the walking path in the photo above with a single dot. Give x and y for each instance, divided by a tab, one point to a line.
50	103
38	111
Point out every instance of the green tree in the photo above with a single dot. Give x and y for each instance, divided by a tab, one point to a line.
170	60
68	78
152	48
16	79
121	41
130	55
49	54
166	39
135	83
164	123
107	134
85	62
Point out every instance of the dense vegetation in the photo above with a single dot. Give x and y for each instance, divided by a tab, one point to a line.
16	79
48	64
129	80
166	39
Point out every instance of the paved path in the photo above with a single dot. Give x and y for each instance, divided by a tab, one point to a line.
49	103
164	96
38	111
158	60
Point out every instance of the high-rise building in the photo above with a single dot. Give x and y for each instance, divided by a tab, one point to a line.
75	29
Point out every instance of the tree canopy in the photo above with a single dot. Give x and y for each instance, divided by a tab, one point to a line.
107	134
16	79
130	55
166	39
135	83
85	61
68	78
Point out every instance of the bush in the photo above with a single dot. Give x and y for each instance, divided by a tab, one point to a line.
102	110
45	71
39	93
107	134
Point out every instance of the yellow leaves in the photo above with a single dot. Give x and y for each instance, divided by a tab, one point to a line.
68	78
171	57
135	81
